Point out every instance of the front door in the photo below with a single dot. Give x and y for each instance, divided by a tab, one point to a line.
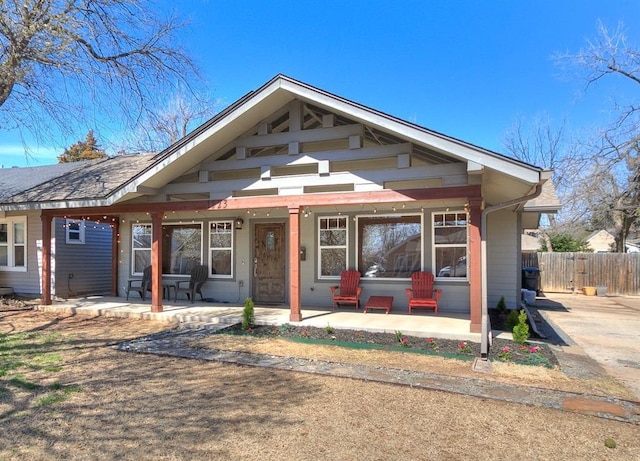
269	263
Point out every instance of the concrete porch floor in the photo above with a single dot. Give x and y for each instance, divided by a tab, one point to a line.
421	324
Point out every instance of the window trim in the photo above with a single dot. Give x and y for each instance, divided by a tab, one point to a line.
346	246
175	223
390	215
11	244
231	223
133	249
449	245
81	231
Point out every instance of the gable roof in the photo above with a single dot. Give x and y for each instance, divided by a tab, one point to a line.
154	172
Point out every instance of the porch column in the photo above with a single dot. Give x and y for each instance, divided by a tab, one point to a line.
115	256
156	261
295	314
46	260
475	264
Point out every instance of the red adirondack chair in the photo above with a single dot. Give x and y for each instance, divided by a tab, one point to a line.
349	290
422	293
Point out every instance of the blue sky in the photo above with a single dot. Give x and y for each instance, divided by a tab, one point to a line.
464	68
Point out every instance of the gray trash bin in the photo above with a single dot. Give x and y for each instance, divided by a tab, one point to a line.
531	279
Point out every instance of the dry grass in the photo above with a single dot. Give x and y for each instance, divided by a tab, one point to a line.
148	407
504	372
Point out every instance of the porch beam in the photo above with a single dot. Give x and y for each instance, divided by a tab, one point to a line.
276	201
115	256
475	264
46	260
295	313
156	261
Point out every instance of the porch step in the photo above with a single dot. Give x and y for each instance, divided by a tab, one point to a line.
196	322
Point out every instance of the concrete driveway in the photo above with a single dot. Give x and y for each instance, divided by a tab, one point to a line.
607	329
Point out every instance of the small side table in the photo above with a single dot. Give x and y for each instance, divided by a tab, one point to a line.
379	302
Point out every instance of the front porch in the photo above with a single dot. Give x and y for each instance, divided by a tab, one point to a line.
444	325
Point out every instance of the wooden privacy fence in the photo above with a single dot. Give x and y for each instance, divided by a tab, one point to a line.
568	272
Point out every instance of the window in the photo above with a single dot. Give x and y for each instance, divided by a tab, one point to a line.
332	246
450	245
181	248
75	231
141	247
221	249
13	247
389	246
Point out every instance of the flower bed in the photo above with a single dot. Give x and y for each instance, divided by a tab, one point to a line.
502	350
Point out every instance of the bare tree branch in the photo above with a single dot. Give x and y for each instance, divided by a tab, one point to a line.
74	61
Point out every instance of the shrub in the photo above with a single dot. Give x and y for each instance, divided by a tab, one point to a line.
248	316
501	307
521	330
512	320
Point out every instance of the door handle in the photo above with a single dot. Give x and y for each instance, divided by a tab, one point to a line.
255	267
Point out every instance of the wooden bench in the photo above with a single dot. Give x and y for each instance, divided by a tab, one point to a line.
379	302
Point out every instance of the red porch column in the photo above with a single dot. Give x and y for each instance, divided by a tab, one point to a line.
295	314
475	264
115	256
46	260
156	261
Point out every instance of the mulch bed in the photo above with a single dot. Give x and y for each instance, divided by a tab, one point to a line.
503	350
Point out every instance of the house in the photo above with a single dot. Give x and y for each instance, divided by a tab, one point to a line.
74	241
601	241
289	186
530	241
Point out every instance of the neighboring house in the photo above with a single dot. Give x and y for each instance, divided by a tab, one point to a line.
601	241
530	241
291	185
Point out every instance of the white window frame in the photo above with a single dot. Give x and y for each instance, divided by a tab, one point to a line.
434	245
134	249
164	224
231	228
11	244
391	215
332	247
80	231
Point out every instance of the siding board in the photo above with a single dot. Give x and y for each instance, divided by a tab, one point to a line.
83	269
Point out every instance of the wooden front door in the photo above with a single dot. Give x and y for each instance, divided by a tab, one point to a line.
269	263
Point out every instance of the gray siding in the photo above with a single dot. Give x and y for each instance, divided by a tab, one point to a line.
503	264
27	282
82	269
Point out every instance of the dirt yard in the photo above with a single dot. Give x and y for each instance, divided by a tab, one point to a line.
132	406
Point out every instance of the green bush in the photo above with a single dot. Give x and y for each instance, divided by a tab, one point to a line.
521	330
248	316
501	307
512	320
